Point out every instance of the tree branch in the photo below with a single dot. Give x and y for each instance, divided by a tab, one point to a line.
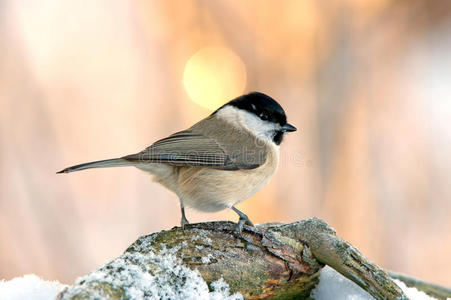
267	261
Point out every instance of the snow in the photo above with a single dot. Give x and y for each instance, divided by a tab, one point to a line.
207	259
333	285
29	287
176	281
412	293
171	279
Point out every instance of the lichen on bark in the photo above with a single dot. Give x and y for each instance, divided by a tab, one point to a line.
277	261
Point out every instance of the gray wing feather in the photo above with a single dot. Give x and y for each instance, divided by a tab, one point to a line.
192	148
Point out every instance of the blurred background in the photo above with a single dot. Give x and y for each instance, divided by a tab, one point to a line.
366	82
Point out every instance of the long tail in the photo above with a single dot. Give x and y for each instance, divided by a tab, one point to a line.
107	163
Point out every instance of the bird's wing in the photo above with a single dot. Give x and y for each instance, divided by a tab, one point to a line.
192	148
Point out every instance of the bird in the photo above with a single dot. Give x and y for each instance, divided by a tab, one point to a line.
218	162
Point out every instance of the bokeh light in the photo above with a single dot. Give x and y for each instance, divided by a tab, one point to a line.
214	75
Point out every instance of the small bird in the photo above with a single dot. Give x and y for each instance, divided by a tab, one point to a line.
218	162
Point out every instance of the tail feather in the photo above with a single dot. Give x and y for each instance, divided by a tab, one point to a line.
107	163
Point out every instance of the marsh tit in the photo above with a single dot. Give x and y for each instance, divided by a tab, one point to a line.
218	162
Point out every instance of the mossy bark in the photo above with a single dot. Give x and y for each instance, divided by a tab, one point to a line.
277	261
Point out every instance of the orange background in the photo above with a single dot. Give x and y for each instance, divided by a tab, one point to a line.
367	84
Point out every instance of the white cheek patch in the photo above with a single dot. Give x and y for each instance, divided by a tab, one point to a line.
250	121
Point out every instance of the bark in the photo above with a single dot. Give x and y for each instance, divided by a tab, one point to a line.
267	261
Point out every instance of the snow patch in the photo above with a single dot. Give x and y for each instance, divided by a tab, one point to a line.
175	281
413	293
333	285
207	259
29	287
170	279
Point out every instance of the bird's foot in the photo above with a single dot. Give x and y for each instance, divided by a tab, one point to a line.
244	220
184	222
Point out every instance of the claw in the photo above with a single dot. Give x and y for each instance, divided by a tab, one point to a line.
244	220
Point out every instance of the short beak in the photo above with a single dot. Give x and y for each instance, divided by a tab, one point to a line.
288	128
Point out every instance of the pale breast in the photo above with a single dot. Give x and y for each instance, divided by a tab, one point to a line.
211	190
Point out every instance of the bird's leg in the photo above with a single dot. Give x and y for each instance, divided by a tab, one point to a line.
184	221
243	220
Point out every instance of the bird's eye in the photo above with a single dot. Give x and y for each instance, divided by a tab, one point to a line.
263	116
